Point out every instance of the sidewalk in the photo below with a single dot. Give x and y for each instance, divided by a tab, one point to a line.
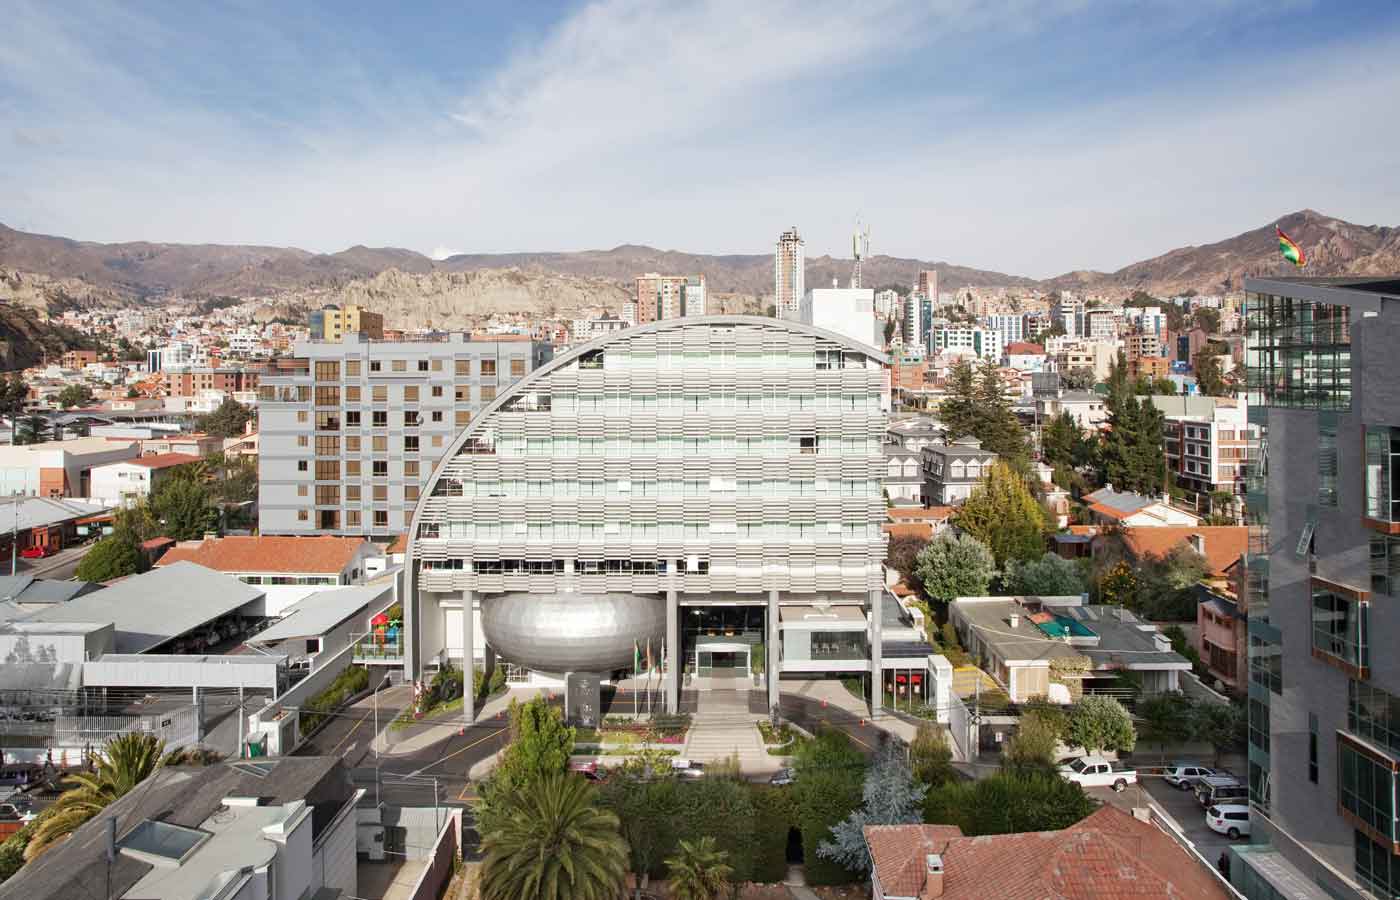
411	739
834	694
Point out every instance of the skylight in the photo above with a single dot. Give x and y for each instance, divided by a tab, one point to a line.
161	843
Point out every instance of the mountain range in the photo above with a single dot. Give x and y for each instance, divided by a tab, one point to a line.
42	270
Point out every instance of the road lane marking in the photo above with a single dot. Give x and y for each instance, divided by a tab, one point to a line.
348	734
458	752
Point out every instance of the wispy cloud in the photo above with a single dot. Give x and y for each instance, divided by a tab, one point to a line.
1014	135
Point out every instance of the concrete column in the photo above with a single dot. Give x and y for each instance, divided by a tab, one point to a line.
773	651
877	653
468	662
673	652
410	594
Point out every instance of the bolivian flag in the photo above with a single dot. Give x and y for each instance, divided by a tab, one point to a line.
1290	250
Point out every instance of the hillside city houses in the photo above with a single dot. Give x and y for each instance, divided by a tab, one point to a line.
676	515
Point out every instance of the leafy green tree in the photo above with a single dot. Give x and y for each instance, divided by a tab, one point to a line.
892	797
1034	745
1079	378
1221	725
553	842
1062	442
1132	457
1008	802
1206	318
1163	386
14	394
955	565
75	395
1050	576
227	421
1100	723
540	746
1210	375
114	556
34	429
829	786
1167	589
1166	719
698	871
902	555
125	761
1118	585
930	757
1002	514
183	507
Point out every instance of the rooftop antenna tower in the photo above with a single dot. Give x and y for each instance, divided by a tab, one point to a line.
860	249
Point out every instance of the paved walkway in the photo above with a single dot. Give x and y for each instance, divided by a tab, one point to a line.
413	738
835	695
722	727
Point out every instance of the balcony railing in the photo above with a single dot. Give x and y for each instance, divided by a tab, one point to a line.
378	647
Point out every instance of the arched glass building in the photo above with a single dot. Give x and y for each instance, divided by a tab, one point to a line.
704	490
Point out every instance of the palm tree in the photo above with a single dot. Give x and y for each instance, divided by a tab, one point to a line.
698	871
126	761
554	843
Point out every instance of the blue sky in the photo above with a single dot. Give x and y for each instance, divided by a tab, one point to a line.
1027	137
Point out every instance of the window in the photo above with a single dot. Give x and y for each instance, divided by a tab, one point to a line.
352	419
328	519
517	367
380	468
327	445
410	443
301	465
327	470
398	365
379	393
422	365
410	393
1339	628
1301	352
327	396
1259	725
410	468
593	359
352	518
303	417
437	440
381	518
327	371
835	645
1382	448
462	418
1385	564
375	365
1312	748
436	415
380	443
463	367
303	515
437	388
1376	866
352	443
352	393
462	393
488	368
380	493
1373	714
303	440
303	490
379	418
352	493
1327	458
410	493
1366	790
352	468
327	494
352	368
488	392
327	421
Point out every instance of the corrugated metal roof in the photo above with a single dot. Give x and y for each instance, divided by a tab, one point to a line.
322	611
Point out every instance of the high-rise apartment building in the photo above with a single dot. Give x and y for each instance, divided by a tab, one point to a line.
1323	583
984	343
928	284
1011	326
331	323
788	274
913	323
348	440
709	486
1068	313
668	297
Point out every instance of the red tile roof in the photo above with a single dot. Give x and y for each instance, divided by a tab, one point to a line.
919	513
1023	348
1223	543
400	544
162	460
269	553
921	530
1109	855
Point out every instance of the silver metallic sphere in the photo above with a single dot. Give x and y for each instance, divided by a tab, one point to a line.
573	632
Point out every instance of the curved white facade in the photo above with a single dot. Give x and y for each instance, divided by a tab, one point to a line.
717	455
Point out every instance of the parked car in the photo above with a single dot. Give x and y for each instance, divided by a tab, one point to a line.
589	770
1095	771
688	768
1229	819
35	552
782	777
1206	785
1185	775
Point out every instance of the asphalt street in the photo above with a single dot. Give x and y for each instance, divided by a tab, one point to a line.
1180	805
59	567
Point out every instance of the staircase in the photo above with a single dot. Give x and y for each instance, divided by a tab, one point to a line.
723	726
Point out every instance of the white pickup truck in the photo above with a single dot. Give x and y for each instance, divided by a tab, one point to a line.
1095	771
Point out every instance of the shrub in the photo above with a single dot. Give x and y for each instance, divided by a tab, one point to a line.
829	787
346	685
1008	803
1100	723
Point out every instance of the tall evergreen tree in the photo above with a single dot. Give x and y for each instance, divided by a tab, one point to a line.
995	425
1003	514
958	412
892	797
1132	456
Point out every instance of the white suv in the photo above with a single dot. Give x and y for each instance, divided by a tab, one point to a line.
1229	819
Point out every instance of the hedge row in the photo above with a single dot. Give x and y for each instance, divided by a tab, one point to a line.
346	685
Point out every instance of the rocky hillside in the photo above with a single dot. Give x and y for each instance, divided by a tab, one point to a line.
27	339
1333	247
40	292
